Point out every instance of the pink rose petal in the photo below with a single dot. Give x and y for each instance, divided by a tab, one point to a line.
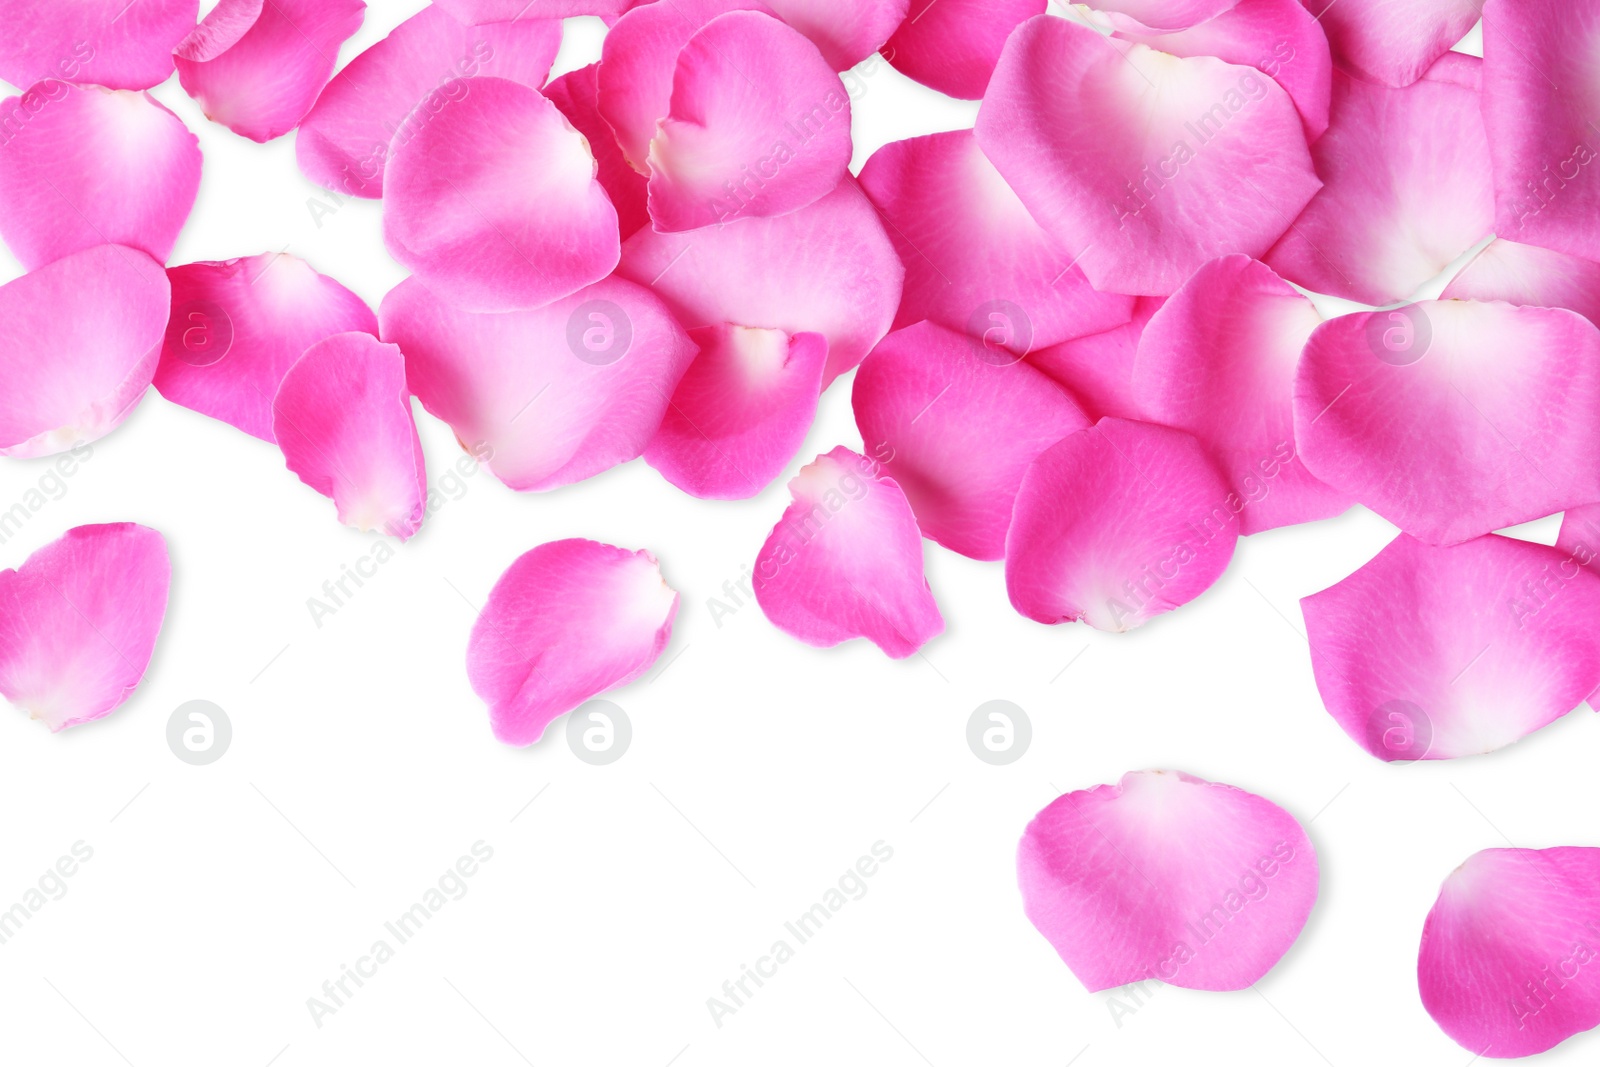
847	31
577	96
953	45
1169	877
79	620
478	12
100	42
846	561
567	621
1393	42
1098	369
1161	14
1529	275
1579	536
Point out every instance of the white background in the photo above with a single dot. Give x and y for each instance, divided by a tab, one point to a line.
220	898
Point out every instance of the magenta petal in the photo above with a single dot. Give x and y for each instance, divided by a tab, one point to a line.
828	268
428	61
256	66
953	45
554	394
343	419
79	340
99	42
1098	368
1434	653
567	621
1529	275
93	166
1117	524
1143	164
494	203
1393	42
79	620
741	411
1218	360
1452	418
975	260
238	325
1169	877
846	31
577	96
846	560
956	429
478	12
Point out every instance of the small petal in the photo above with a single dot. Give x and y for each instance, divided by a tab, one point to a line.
1098	369
79	620
99	42
567	621
847	31
846	561
1393	42
1168	877
576	94
1527	275
953	45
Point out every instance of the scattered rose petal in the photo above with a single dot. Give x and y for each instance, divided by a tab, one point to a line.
576	94
100	42
1098	369
1393	41
847	31
1528	275
953	45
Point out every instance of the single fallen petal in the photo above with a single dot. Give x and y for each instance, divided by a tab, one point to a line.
1453	418
557	393
1098	369
89	166
1143	164
256	66
846	560
1393	42
79	340
567	621
828	268
1162	14
577	95
847	31
494	203
79	620
98	42
1434	653
953	45
478	12
741	411
1118	523
1529	275
343	419
956	428
239	324
1218	360
386	94
975	260
1405	187
1169	877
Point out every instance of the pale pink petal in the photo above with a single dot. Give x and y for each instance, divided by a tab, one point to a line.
1529	275
1406	187
557	393
576	94
478	12
1168	877
847	31
238	325
494	203
846	560
79	620
741	411
1453	418
567	621
1143	164
953	45
1218	360
1098	369
93	166
79	340
428	62
828	268
1393	42
256	66
956	428
1161	14
1118	523
100	42
343	419
975	260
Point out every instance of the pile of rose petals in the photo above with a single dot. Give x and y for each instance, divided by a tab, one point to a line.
1081	338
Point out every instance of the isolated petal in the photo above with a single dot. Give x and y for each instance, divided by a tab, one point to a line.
975	260
428	61
256	66
576	95
239	324
558	393
1098	369
1169	877
847	31
1118	523
957	428
567	621
1163	14
79	620
1453	418
1144	164
741	411
953	45
828	268
79	340
1529	275
846	560
494	203
88	166
478	12
1405	187
1393	42
99	42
